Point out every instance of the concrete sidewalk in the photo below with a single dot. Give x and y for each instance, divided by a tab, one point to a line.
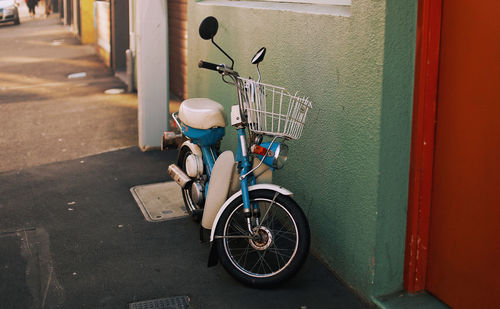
44	115
71	234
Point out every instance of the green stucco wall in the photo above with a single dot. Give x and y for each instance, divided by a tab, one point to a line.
349	170
395	136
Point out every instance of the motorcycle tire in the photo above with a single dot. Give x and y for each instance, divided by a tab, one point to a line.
277	253
186	193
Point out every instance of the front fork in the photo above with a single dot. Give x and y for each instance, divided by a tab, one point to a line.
246	181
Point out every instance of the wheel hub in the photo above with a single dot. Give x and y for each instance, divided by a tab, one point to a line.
261	239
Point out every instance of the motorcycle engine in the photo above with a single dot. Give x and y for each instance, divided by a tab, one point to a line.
198	192
194	166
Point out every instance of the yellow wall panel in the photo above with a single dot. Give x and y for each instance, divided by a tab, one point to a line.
87	21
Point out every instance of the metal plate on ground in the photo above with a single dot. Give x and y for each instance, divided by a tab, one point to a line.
160	201
177	302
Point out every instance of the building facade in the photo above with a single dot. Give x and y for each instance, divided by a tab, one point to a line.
364	170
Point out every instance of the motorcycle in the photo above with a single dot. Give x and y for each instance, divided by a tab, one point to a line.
257	231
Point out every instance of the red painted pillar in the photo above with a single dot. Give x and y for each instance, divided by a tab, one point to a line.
422	147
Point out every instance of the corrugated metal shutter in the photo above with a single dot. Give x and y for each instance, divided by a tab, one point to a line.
177	40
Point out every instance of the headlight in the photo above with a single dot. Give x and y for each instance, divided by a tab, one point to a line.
280	156
9	10
276	154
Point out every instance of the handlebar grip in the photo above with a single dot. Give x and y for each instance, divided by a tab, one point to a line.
208	65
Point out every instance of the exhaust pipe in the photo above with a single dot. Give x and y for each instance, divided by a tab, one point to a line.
179	176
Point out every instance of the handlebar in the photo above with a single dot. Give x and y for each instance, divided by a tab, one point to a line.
221	68
207	65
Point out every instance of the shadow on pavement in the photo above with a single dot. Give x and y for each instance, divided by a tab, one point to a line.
105	255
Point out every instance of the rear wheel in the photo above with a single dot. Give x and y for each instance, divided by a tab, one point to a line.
192	194
278	247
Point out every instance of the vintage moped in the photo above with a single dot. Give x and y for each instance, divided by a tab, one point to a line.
257	231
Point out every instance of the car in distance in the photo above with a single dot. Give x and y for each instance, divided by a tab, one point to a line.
9	11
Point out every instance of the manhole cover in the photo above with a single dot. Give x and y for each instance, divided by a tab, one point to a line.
177	302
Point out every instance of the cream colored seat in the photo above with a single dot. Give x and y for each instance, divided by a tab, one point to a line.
202	113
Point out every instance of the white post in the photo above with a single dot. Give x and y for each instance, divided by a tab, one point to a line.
152	71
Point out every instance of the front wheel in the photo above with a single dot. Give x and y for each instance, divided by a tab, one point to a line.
278	246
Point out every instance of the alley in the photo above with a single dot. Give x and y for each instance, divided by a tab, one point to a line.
44	115
71	234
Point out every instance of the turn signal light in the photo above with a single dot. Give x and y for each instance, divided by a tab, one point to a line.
259	150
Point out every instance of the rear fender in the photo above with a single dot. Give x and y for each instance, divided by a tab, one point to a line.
195	149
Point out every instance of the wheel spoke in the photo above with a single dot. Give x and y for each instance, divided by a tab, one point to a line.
265	262
257	262
280	235
264	257
261	263
233	237
236	249
244	254
241	230
275	250
268	209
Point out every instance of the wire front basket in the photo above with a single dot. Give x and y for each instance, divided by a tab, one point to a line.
272	110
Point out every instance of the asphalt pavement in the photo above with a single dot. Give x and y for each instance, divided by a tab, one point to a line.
71	234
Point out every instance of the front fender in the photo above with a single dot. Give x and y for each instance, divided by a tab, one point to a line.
266	186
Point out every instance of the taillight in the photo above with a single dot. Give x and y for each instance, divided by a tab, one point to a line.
259	150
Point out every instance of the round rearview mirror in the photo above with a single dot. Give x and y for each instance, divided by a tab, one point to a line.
208	28
259	56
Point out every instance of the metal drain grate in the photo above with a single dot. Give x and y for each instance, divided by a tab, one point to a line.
177	302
